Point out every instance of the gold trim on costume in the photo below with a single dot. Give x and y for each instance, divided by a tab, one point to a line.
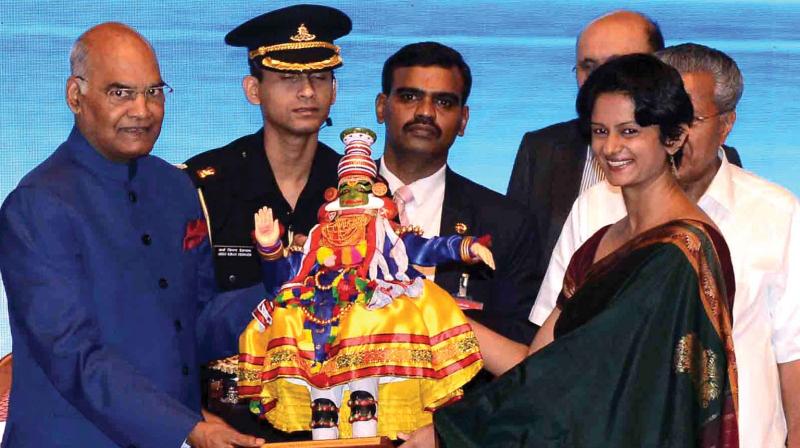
273	255
344	231
354	178
261	51
380	189
402	230
249	375
443	354
228	365
466	254
294	248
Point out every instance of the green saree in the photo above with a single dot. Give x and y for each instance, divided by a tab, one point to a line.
643	355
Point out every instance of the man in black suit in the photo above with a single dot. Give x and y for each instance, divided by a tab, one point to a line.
555	164
423	105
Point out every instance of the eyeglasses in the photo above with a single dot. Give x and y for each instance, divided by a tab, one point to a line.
316	78
700	119
125	95
585	66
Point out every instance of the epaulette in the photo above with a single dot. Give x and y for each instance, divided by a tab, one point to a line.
180	166
402	230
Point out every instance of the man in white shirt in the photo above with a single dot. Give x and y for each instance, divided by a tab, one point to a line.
555	164
761	224
423	105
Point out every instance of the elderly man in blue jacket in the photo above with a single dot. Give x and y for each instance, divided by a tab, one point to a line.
106	261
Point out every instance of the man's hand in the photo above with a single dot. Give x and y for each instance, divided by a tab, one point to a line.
267	229
220	435
424	437
483	252
211	418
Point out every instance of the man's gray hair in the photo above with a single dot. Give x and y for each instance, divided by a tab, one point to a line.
78	58
690	57
78	61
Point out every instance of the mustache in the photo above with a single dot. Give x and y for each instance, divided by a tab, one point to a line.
425	120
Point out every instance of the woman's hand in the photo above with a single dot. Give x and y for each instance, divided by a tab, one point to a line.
267	229
424	437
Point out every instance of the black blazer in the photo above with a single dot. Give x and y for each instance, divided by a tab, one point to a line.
507	293
546	178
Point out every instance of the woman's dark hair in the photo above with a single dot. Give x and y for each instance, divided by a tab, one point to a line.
655	88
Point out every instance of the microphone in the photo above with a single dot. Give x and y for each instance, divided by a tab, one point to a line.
328	123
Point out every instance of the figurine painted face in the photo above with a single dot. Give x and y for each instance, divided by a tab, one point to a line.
354	193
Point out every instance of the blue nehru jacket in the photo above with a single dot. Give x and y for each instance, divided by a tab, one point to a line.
111	312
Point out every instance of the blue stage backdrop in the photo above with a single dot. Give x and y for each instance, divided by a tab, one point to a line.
521	53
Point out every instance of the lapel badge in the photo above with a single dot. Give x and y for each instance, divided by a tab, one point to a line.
461	228
206	172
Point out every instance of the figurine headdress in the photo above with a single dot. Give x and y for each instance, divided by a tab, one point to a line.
357	166
357	163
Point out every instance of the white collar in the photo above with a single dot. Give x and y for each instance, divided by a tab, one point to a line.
421	188
720	190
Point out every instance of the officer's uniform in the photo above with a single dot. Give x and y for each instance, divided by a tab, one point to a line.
234	182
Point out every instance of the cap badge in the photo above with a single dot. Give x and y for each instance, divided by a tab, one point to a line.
461	228
302	34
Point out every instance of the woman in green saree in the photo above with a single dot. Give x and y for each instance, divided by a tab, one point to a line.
639	350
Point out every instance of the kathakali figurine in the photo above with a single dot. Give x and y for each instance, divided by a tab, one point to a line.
351	320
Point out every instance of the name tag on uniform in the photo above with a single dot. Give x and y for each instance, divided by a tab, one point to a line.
233	251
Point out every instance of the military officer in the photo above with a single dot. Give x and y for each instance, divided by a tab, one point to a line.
292	56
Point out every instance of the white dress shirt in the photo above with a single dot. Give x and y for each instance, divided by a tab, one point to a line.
592	173
426	208
761	225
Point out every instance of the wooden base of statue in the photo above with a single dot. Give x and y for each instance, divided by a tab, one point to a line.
364	442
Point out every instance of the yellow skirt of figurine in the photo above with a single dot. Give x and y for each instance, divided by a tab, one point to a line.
425	341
